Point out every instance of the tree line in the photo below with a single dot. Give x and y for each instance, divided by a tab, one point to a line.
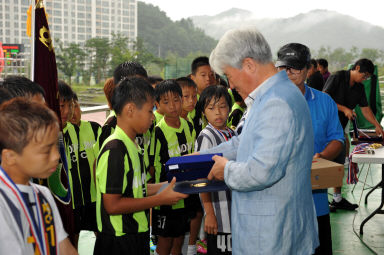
98	57
340	58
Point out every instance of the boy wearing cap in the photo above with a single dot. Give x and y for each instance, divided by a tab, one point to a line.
294	58
346	88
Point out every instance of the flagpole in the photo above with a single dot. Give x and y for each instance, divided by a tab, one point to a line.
33	3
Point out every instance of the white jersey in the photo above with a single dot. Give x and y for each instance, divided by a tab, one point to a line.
211	137
15	233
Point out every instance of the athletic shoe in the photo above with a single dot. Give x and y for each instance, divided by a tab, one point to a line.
202	246
344	205
152	246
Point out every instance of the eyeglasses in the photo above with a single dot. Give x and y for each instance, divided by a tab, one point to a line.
289	69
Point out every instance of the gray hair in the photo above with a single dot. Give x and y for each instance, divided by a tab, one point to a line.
238	44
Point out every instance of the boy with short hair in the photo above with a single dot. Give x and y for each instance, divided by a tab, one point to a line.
121	184
30	221
174	136
19	86
71	141
122	71
88	132
215	103
202	74
189	89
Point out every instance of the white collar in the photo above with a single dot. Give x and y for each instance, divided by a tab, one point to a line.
251	97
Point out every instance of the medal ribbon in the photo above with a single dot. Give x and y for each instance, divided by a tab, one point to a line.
222	133
37	228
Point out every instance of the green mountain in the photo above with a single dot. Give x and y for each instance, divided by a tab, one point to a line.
162	36
316	28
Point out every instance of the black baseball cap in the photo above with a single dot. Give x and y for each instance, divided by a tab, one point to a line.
294	55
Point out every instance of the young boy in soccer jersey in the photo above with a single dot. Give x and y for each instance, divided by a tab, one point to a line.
121	184
174	136
189	89
237	110
88	132
216	102
71	141
29	219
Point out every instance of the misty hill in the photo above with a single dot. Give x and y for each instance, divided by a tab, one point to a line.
162	36
315	29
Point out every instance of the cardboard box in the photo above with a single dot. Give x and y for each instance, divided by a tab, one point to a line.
326	174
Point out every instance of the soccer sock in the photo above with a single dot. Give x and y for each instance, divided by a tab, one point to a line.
337	197
191	250
155	252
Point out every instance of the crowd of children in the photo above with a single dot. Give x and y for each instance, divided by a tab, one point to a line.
116	171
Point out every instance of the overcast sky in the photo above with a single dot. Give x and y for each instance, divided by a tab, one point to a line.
371	11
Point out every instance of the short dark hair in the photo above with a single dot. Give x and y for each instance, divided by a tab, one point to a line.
20	86
134	89
197	62
222	81
167	86
323	62
4	95
128	69
65	91
186	82
75	98
236	96
214	92
365	64
314	63
21	120
155	79
109	86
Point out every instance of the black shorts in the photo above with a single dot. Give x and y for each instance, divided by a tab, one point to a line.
135	244
85	218
220	244
170	223
193	205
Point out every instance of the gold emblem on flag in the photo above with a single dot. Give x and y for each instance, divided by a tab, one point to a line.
45	38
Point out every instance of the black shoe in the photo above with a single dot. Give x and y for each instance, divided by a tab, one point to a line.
344	205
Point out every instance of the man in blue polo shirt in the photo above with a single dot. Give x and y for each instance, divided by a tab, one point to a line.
295	58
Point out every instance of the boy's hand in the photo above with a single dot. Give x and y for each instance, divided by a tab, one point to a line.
169	196
210	224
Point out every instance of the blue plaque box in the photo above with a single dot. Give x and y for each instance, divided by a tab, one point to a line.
191	174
